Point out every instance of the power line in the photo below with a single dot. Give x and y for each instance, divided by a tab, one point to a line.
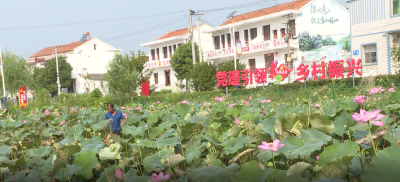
239	6
170	22
87	22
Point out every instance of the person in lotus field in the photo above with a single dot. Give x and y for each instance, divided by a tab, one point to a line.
117	117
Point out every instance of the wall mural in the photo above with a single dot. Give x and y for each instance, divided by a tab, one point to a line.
324	29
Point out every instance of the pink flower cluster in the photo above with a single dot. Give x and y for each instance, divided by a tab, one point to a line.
219	99
361	99
265	101
139	108
46	112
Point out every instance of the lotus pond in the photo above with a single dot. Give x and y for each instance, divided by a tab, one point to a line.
348	139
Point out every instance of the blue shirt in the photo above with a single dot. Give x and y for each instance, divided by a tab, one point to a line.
116	124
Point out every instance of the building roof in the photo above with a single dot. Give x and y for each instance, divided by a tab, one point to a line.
180	32
294	5
65	48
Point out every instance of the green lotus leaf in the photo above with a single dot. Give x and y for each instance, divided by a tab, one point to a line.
321	123
234	131
335	167
110	153
133	130
173	160
72	169
276	175
313	136
213	173
40	152
87	161
298	169
153	163
4	149
295	178
348	105
249	171
166	142
382	166
338	150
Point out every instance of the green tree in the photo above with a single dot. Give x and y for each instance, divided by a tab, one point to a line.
182	62
16	72
203	76
395	55
230	66
126	73
47	77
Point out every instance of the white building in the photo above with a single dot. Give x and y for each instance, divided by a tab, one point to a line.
319	29
90	54
161	51
374	31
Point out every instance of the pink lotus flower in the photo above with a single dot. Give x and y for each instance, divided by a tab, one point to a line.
208	109
391	90
122	107
265	101
220	99
58	114
125	115
237	121
46	112
261	167
360	99
62	123
204	104
375	99
376	90
265	112
231	105
317	157
250	97
158	102
4	110
36	112
374	117
130	109
8	116
273	147
139	108
24	121
160	177
185	102
118	174
317	105
392	84
247	103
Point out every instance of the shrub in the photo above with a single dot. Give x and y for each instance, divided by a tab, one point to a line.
96	93
203	76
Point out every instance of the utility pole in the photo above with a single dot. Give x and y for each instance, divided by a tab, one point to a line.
288	35
58	74
192	38
2	75
199	39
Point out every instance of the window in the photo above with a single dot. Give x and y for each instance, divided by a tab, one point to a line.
237	36
396	7
292	24
252	63
155	78
228	39
223	41
275	34
165	52
170	52
267	32
282	32
253	33
94	46
370	53
246	36
174	48
158	53
167	78
269	58
216	42
153	54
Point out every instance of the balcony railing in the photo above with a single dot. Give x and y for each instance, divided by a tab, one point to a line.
159	63
251	48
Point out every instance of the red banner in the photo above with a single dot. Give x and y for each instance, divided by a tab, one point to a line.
23	101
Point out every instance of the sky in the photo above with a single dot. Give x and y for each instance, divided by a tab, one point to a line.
31	25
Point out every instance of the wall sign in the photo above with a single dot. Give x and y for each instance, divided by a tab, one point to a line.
322	11
356	52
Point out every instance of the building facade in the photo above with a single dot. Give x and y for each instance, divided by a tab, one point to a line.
88	57
374	31
161	51
318	30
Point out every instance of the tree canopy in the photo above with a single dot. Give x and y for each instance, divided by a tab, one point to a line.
203	76
182	61
125	73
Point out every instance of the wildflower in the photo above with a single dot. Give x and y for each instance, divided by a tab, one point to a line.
8	116
376	90
247	103
250	97
237	121
185	102
231	105
46	112
261	167
360	99
122	107
391	90
204	104
36	112
160	177
139	108
317	105
118	174
58	114
24	121
62	123
317	157
158	102
374	117
273	147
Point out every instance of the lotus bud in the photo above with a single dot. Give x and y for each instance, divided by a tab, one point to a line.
66	144
162	161
261	167
98	166
80	145
99	134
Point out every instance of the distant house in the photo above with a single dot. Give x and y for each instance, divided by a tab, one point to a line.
89	55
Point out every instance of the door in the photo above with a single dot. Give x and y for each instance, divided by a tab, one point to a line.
269	58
